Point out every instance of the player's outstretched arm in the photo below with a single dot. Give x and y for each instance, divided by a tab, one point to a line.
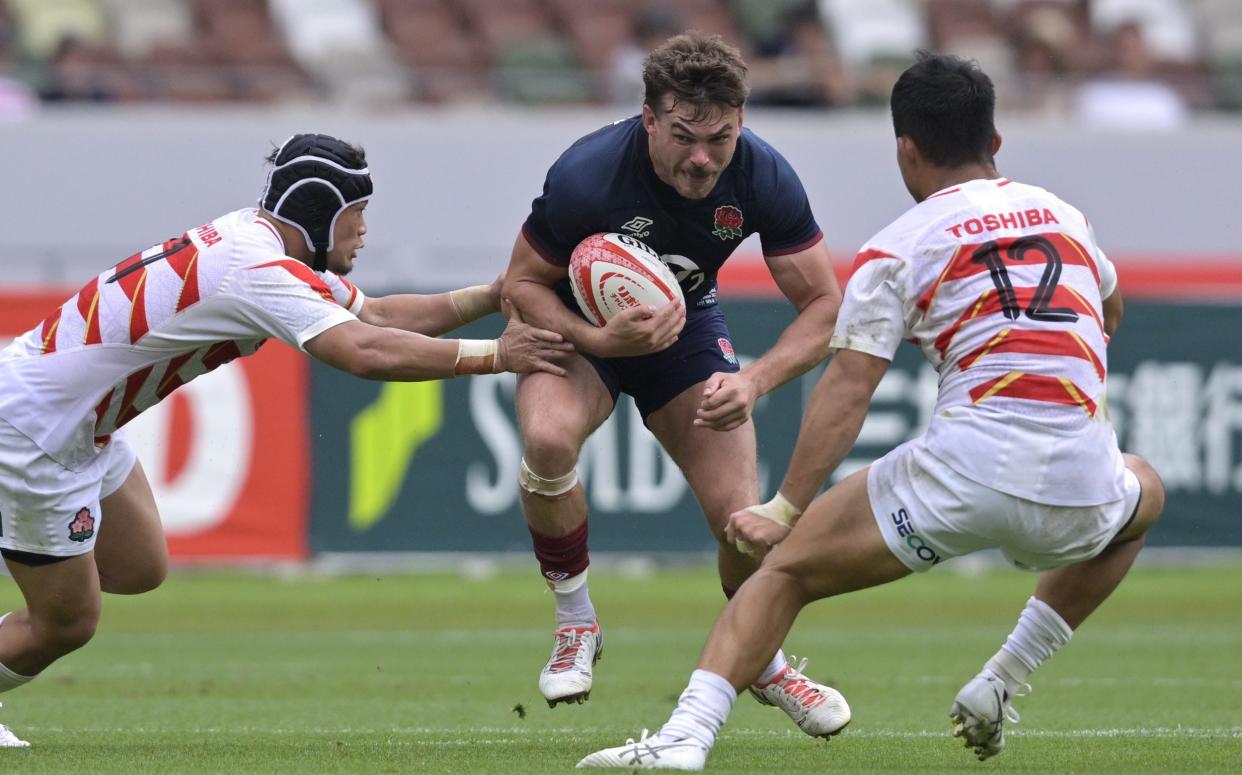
830	426
523	348
391	354
829	429
433	314
807	280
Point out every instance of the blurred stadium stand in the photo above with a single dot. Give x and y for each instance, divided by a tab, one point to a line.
464	103
1160	59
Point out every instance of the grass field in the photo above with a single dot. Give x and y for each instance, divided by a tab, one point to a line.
226	672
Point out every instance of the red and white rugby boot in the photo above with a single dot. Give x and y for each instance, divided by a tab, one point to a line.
818	710
567	676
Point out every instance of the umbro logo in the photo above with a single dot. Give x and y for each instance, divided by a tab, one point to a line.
638	226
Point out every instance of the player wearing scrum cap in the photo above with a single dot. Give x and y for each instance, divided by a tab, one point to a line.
685	178
77	516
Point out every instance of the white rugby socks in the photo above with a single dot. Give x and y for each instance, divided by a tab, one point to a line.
1040	632
573	601
774	670
701	709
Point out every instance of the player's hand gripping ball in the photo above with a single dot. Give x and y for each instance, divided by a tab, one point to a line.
611	273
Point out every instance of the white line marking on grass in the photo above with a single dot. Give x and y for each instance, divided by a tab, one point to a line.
1071	682
503	735
1168	732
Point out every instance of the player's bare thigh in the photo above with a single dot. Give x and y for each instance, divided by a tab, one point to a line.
557	414
131	552
720	466
1151	502
836	546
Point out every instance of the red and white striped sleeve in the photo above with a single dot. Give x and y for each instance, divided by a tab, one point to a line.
289	301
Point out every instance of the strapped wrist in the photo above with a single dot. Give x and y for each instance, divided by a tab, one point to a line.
472	303
779	510
476	356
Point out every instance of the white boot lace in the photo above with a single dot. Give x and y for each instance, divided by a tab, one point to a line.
1011	715
565	651
805	691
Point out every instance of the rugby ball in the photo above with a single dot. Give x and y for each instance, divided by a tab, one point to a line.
610	273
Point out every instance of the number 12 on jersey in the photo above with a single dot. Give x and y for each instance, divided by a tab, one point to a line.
996	254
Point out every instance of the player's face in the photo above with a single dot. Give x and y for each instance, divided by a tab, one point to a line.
691	155
351	226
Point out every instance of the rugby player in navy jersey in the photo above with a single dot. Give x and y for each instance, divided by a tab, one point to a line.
688	180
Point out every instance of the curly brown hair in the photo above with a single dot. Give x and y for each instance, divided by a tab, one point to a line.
697	69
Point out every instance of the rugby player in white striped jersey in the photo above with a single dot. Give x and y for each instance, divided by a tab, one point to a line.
77	516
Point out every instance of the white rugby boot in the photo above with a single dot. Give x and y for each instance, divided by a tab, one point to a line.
10	740
818	710
567	675
650	753
980	711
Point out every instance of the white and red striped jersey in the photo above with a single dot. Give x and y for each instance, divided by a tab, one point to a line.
155	321
1001	285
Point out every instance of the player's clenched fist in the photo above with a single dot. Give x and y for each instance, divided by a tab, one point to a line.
728	400
756	529
753	535
523	348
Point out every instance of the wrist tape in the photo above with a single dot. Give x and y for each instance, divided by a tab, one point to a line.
476	356
779	510
471	303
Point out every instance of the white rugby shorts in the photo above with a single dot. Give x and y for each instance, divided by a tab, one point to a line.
928	513
47	509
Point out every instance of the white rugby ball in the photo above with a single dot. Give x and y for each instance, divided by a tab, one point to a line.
610	273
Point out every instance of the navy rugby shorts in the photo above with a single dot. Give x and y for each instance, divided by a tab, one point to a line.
703	348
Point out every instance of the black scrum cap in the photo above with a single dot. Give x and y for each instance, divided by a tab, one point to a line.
312	180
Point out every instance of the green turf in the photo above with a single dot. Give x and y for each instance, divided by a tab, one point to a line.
229	673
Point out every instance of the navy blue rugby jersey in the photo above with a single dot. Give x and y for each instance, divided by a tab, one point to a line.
605	182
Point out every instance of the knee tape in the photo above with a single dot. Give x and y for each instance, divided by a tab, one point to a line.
549	488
